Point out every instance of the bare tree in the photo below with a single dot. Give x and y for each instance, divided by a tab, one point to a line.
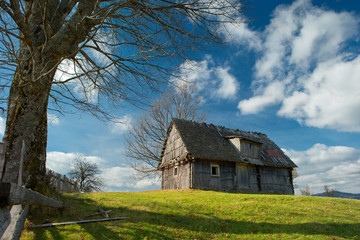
306	191
329	192
86	174
147	135
295	175
67	55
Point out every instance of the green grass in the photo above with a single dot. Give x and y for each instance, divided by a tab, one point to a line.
194	214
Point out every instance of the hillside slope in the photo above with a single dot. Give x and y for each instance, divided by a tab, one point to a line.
197	214
340	195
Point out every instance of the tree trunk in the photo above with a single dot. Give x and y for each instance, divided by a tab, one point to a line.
44	41
27	121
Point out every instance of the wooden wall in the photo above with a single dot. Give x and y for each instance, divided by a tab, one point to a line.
265	180
233	177
202	178
241	178
174	146
246	178
179	181
276	180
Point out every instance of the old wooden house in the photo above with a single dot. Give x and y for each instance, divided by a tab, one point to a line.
204	156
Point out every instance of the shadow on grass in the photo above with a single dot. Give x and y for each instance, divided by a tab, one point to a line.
160	225
41	233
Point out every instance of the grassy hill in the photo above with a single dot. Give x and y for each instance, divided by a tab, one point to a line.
340	195
194	214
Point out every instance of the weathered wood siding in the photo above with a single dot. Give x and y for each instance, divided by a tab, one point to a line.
250	149
245	178
233	177
174	146
179	181
276	180
202	178
247	148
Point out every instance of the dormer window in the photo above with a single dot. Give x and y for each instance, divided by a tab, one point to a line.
247	147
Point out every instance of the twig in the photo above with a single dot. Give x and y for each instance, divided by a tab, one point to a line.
98	213
102	212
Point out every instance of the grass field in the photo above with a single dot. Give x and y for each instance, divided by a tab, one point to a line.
194	214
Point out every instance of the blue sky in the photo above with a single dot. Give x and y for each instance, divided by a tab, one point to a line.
292	72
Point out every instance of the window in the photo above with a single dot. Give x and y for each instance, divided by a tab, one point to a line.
250	149
175	171
215	170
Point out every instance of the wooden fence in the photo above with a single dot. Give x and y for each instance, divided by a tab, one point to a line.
15	202
61	183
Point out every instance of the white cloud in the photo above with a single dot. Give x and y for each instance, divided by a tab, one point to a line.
103	42
61	162
306	67
213	81
76	73
335	166
53	119
240	34
2	126
118	178
121	125
273	93
330	97
192	71
121	178
228	86
275	41
321	36
70	73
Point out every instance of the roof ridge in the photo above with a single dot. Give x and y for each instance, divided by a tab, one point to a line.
221	127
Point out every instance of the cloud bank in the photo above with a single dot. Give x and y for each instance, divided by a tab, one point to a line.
335	166
62	162
307	65
118	178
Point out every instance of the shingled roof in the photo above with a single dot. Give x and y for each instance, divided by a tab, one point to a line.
211	142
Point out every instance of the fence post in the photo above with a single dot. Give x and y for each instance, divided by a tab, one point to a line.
17	213
13	196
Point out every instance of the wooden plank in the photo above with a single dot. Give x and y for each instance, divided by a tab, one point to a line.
13	194
242	175
78	222
5	220
18	217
